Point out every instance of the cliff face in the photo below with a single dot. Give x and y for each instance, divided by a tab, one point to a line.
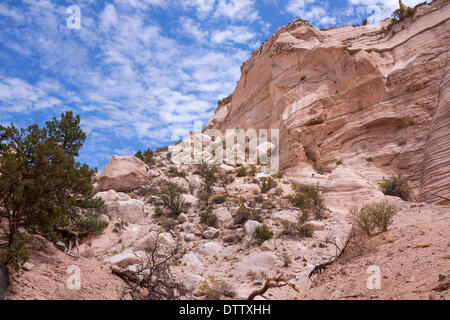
352	94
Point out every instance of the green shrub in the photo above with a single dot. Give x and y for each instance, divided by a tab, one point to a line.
209	218
309	200
266	184
396	186
146	157
242	172
298	229
173	173
208	173
362	219
17	254
171	198
378	215
244	214
339	162
263	233
383	214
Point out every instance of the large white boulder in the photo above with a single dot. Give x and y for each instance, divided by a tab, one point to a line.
195	181
210	249
124	259
190	199
257	262
122	173
286	215
250	227
112	196
223	215
182	183
131	210
316	225
192	261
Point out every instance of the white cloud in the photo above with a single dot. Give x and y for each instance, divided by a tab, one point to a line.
203	7
237	10
233	34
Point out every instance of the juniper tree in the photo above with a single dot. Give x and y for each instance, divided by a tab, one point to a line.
41	185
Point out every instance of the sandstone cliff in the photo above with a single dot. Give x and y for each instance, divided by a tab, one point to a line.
352	94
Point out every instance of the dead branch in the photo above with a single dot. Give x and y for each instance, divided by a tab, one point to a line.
318	269
153	279
279	282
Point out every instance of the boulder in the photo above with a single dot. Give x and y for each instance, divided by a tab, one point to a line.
28	266
112	196
316	225
191	260
122	173
210	249
258	261
268	245
165	241
190	199
210	233
195	181
224	168
131	210
183	218
250	227
124	259
61	246
286	215
182	183
223	215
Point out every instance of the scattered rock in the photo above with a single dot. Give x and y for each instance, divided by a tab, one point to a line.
250	227
210	249
28	266
190	199
124	259
316	225
210	233
191	260
268	245
183	218
286	215
131	210
195	181
223	215
61	246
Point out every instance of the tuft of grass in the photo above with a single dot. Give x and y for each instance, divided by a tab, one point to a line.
263	233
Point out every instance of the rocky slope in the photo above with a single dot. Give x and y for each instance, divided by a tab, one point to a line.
355	93
353	105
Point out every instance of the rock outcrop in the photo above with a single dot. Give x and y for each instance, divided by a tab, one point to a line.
122	174
352	94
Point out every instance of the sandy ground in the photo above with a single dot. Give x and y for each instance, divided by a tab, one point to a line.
413	257
49	277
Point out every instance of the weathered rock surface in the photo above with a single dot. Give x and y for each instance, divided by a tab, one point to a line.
354	93
122	173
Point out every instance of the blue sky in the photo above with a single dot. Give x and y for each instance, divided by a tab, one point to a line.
140	72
